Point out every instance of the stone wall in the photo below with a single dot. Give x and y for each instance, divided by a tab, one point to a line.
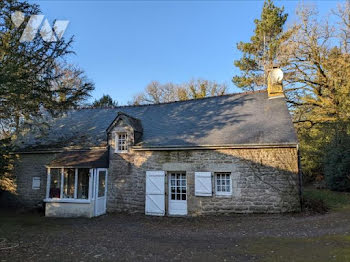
28	166
263	180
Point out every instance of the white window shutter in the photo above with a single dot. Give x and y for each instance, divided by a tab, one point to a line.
155	193
202	184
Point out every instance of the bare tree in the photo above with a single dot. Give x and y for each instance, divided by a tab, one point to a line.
156	92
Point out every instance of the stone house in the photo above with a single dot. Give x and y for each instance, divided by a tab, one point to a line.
234	153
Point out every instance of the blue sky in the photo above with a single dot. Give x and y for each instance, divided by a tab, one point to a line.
123	45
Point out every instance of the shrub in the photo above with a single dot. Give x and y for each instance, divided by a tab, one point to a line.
315	205
337	163
6	166
322	200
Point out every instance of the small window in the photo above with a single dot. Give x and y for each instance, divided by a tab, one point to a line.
101	183
122	142
83	183
69	183
223	184
55	184
36	183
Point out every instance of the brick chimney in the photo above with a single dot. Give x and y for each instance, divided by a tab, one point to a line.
275	83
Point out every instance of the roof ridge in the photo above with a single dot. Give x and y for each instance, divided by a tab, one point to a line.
177	101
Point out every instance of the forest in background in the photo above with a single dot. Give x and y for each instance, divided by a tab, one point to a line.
314	54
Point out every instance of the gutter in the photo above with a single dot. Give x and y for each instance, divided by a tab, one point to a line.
300	178
58	150
168	148
201	147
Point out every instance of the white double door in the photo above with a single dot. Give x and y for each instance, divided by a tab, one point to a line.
155	193
100	191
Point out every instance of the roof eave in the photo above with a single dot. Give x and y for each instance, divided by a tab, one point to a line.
58	150
201	147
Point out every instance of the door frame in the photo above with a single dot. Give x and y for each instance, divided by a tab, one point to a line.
168	180
96	183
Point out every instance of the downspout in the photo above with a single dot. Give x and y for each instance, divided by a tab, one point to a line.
300	178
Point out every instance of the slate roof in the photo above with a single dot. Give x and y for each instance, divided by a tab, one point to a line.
236	119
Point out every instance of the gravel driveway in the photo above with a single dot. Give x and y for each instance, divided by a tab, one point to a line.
121	237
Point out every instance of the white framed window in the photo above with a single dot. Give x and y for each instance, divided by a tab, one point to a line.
121	142
223	184
68	183
36	183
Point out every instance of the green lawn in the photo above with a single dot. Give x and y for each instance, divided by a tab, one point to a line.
325	248
334	200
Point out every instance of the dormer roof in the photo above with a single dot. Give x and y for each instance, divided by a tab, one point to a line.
133	122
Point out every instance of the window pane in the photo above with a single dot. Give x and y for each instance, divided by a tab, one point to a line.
68	183
55	184
101	183
122	142
83	183
178	186
223	182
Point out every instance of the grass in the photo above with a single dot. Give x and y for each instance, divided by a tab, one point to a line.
333	200
12	223
326	248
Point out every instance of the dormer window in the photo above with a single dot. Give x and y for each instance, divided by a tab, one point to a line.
121	142
124	132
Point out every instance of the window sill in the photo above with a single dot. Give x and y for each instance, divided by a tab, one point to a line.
223	195
121	152
67	200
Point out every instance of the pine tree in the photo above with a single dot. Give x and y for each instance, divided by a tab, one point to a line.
30	72
261	52
33	83
106	101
